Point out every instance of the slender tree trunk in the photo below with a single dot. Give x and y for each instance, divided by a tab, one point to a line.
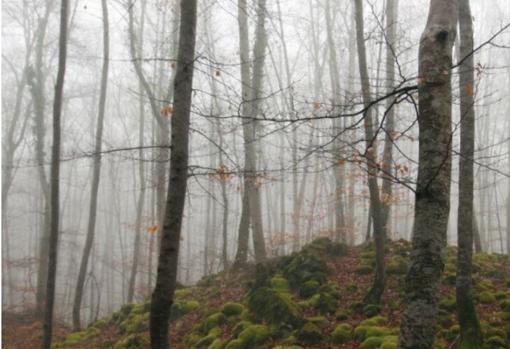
432	206
470	332
162	297
96	173
374	294
507	200
391	54
55	177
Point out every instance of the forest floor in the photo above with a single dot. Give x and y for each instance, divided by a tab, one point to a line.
311	299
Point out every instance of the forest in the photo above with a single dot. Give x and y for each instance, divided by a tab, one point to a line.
241	174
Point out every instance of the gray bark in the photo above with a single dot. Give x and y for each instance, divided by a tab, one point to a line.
162	297
96	173
432	206
55	177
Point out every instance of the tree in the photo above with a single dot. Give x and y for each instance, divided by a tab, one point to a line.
470	332
96	172
432	205
374	294
391	40
162	297
54	180
250	91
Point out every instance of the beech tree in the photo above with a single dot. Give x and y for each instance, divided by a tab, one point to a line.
54	179
162	297
432	203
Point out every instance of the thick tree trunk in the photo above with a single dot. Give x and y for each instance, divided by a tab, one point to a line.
96	173
432	206
374	294
470	332
162	297
55	178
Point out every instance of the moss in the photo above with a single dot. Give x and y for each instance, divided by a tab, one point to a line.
288	347
250	337
371	310
211	336
351	287
309	288
505	305
389	342
374	321
135	323
341	315
364	269
232	308
495	342
341	334
132	341
371	342
240	327
304	266
212	321
217	344
448	303
279	283
320	321
486	297
310	334
274	307
183	293
360	332
397	265
181	308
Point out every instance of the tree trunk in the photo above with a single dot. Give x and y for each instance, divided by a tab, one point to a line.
96	173
162	297
432	206
374	294
470	332
391	56
55	177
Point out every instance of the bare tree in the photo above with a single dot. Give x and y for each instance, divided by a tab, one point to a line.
54	181
96	172
470	332
432	206
162	297
374	294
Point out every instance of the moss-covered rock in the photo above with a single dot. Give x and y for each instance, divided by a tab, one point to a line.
212	321
232	309
280	283
274	307
181	308
486	297
208	339
342	334
372	342
364	269
309	288
374	321
132	341
217	344
495	342
250	337
135	323
310	333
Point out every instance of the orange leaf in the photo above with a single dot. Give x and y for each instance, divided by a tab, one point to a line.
470	90
167	111
153	229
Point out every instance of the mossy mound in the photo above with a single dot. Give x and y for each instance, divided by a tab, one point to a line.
267	304
342	334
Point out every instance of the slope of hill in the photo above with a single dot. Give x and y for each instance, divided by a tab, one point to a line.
309	299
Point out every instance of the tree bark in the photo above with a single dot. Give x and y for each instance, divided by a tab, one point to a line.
432	206
162	297
391	40
96	172
470	332
55	178
374	294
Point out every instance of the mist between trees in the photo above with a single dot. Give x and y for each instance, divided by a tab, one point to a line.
303	123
